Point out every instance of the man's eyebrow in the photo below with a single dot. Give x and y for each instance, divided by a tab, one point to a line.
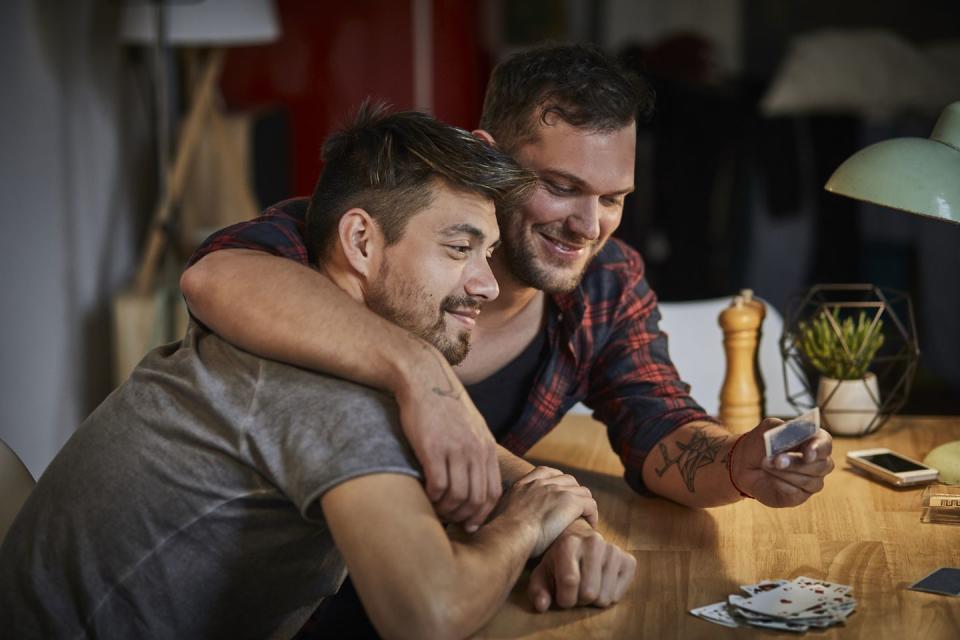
463	227
579	183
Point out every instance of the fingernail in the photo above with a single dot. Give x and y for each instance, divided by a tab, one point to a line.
472	528
783	462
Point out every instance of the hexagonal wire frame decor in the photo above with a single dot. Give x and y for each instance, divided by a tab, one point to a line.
894	365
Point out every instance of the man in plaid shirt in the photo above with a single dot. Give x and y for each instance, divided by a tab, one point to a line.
574	321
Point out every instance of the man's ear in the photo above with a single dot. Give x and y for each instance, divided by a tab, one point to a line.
360	240
484	135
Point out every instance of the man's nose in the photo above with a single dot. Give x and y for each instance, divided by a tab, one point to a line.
481	283
586	221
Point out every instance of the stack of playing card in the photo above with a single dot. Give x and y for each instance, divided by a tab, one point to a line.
792	433
784	605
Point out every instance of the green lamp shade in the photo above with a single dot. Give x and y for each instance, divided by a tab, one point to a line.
912	174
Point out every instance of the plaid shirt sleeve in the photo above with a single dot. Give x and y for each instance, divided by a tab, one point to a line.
279	231
634	388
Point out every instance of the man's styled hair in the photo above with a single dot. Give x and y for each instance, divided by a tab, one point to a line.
579	84
388	164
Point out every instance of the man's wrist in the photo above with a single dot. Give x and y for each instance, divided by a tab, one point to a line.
525	531
580	526
415	367
512	467
733	468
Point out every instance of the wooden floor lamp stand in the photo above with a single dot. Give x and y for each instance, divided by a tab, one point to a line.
142	312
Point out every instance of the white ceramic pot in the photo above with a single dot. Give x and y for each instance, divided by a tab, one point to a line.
848	406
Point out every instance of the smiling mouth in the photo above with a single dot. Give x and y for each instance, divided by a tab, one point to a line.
467	316
564	249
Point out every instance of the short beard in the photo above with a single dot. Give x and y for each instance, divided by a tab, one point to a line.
522	261
384	303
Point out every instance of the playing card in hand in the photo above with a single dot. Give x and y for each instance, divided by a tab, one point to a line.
791	434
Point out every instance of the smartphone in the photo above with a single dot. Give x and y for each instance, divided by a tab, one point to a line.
891	467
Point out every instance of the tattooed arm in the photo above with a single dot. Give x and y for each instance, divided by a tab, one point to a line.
689	466
694	465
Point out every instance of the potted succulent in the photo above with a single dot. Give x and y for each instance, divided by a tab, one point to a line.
842	350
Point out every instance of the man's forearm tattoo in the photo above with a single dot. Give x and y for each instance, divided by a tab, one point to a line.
451	390
726	458
700	451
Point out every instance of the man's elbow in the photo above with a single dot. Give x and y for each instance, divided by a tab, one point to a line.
193	282
201	280
208	276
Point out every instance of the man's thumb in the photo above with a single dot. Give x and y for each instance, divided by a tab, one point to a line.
766	424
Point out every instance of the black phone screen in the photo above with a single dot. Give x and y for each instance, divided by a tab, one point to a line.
893	462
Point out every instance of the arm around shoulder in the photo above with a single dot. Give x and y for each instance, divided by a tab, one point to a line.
280	309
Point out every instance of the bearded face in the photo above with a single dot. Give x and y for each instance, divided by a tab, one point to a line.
584	177
409	305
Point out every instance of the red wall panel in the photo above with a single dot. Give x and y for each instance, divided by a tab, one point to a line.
460	65
332	55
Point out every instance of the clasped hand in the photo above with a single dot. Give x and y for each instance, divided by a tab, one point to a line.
579	567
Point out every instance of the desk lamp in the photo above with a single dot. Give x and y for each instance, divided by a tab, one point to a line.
916	175
920	176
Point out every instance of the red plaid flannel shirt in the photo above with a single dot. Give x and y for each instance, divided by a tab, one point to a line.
605	345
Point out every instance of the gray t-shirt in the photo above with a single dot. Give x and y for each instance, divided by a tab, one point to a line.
188	504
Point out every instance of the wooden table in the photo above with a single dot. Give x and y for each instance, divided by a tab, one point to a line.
856	531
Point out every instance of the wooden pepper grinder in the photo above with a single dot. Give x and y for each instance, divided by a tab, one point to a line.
762	310
740	408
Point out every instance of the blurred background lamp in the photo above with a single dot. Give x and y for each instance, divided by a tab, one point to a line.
148	313
205	23
188	23
917	175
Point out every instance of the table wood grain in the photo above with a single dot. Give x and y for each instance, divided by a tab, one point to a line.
856	531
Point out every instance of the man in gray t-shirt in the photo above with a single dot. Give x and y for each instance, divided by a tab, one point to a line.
218	494
196	489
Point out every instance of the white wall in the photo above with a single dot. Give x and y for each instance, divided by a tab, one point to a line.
67	172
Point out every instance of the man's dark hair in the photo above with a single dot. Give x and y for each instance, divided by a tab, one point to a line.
389	163
578	84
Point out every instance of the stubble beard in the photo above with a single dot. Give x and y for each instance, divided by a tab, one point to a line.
518	245
399	303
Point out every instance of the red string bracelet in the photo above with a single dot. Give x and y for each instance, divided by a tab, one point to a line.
730	468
